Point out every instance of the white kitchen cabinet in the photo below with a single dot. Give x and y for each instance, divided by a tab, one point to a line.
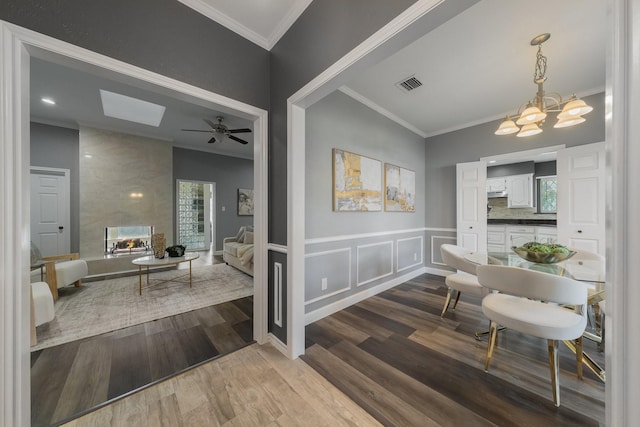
520	191
518	235
496	184
547	234
496	238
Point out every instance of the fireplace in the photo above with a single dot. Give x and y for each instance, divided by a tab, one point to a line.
127	240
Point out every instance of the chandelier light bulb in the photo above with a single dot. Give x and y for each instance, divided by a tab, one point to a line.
531	114
569	121
577	107
529	130
507	127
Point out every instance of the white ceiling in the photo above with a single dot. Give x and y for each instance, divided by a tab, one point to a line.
261	21
475	68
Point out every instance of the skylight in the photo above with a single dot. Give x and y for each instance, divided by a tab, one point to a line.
131	109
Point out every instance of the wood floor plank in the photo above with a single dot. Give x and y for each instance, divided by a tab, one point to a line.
441	409
88	380
196	345
48	376
379	319
501	402
387	408
166	355
231	313
130	366
224	337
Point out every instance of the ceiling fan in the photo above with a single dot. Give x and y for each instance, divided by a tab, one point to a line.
221	130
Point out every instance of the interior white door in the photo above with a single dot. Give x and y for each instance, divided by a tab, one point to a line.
581	197
50	222
471	208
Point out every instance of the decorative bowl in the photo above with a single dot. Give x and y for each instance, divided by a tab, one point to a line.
542	257
176	250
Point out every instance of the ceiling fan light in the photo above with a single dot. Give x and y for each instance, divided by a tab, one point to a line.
531	114
569	121
528	130
577	107
507	127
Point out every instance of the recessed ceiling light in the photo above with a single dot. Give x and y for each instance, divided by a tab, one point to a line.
48	101
131	109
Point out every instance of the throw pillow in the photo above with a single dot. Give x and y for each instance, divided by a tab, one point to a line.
35	254
240	235
248	237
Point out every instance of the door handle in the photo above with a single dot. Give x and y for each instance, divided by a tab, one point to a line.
60	228
579	231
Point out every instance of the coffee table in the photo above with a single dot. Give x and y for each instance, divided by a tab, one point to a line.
152	261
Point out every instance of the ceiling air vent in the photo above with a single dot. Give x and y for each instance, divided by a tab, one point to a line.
409	84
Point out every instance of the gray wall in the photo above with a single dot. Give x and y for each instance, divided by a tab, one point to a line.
472	143
163	36
57	147
229	174
348	264
324	33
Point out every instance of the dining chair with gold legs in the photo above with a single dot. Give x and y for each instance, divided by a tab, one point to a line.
539	304
464	280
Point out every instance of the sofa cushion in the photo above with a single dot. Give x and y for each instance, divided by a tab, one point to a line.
248	238
240	235
68	272
235	249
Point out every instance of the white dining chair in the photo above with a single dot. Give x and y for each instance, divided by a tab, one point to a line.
464	280
539	304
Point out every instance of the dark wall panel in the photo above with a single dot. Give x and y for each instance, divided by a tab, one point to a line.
163	36
279	331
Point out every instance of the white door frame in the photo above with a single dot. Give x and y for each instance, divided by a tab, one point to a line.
17	45
66	173
623	230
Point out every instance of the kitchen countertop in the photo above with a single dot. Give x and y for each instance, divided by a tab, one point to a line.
523	221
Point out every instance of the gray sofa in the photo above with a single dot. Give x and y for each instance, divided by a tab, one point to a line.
237	251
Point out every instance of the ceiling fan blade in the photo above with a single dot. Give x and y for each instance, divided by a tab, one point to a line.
212	140
210	123
241	141
244	130
196	130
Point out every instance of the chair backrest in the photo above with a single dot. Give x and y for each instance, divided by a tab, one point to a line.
453	256
533	284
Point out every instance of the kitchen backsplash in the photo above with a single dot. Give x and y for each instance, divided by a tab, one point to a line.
499	210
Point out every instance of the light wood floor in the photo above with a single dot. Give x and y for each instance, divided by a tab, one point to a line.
255	386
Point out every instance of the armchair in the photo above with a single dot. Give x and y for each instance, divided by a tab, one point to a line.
63	270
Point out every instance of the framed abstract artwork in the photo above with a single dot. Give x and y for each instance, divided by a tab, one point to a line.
400	189
357	182
245	201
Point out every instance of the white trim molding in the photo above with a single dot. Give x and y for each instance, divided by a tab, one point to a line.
384	274
418	261
17	44
361	236
337	291
455	239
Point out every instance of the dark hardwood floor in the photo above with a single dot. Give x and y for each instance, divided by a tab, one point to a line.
395	357
70	379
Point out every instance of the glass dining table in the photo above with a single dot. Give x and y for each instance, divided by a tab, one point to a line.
588	271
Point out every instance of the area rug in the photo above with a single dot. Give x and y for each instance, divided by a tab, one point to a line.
107	305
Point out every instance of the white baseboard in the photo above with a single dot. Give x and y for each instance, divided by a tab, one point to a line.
353	299
438	272
279	345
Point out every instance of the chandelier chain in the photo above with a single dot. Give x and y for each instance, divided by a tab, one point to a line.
541	67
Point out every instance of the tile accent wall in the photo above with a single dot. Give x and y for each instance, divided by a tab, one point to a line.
126	181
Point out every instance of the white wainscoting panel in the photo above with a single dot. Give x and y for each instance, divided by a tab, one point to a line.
415	244
333	267
436	241
371	257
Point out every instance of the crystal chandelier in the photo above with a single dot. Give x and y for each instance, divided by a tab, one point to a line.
535	111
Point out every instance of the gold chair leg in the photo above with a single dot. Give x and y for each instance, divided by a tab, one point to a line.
455	304
493	331
553	368
447	302
579	354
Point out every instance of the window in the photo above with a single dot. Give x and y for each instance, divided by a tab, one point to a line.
547	189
